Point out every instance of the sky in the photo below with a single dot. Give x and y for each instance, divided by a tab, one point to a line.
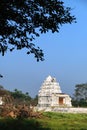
65	56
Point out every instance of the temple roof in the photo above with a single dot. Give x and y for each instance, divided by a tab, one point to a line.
49	78
49	87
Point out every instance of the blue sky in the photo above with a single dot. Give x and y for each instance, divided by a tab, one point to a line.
65	57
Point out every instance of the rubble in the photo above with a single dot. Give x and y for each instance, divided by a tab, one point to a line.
19	111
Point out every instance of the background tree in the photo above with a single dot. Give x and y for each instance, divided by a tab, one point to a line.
5	94
17	97
34	101
3	91
21	21
20	97
80	95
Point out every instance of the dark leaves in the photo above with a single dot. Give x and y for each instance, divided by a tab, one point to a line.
22	21
1	76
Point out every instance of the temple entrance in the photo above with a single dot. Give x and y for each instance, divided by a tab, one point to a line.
61	101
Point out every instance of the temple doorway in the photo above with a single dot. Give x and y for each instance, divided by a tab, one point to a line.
61	101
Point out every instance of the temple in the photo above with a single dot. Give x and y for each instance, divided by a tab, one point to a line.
50	95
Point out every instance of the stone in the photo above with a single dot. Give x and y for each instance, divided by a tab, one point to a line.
50	95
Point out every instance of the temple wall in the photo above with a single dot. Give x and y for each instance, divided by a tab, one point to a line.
69	110
62	109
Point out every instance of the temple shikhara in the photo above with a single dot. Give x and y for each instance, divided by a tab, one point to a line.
50	95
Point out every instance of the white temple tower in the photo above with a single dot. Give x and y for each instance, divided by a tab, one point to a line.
50	95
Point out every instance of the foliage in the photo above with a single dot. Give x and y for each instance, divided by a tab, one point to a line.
80	103
56	121
3	91
81	91
19	94
34	101
80	95
15	124
22	21
20	97
1	76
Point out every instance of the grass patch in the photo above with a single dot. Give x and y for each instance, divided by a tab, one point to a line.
50	121
65	121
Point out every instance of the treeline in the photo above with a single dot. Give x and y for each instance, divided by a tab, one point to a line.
79	98
17	97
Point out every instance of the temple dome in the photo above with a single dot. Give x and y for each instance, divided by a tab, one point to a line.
49	87
49	78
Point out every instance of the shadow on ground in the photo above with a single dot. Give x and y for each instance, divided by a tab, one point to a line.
25	124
